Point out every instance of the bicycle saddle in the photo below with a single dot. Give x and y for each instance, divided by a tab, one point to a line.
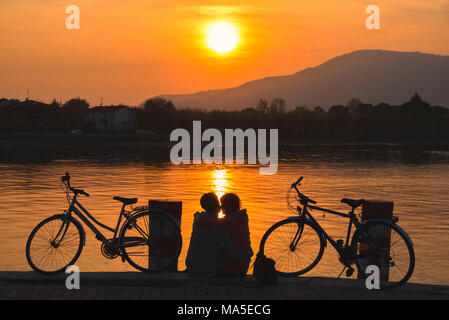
353	203
126	200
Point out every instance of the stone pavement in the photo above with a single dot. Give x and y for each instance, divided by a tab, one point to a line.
175	286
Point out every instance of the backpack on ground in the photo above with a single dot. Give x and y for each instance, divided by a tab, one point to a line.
264	270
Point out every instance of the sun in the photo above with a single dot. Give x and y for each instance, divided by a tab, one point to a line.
222	37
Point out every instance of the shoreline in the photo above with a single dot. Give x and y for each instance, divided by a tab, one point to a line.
163	140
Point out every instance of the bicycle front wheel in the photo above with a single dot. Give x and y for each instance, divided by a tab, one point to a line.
385	245
151	242
54	244
295	245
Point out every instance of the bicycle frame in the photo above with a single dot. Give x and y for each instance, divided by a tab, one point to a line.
305	214
78	209
352	221
81	212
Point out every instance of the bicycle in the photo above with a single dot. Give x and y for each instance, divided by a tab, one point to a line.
297	243
149	240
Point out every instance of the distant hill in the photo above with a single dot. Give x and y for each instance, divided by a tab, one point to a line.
373	76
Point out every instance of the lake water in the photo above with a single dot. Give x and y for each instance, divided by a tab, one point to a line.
417	180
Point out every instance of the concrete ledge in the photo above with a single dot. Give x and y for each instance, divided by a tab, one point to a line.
140	279
164	283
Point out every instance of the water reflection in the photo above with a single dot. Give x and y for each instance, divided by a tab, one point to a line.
220	181
220	184
30	192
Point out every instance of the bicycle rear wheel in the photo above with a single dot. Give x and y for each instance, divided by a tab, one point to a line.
385	245
295	245
151	242
54	244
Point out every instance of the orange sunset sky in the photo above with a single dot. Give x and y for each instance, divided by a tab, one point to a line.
127	51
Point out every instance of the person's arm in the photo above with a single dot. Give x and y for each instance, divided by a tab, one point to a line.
230	250
210	221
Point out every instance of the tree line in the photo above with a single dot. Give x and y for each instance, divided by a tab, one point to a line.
415	118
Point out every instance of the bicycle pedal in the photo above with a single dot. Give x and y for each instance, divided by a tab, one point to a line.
349	272
339	243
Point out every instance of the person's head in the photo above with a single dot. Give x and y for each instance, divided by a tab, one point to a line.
209	202
230	203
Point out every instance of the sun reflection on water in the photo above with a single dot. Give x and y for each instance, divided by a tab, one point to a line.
220	183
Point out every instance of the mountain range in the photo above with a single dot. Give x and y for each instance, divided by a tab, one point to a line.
372	76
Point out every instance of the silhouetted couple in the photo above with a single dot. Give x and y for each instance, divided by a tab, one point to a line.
219	246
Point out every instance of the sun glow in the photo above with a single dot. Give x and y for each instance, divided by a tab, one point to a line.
222	37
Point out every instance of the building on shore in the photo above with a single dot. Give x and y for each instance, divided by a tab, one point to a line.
110	118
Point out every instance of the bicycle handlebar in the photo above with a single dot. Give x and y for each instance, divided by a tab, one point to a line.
297	182
303	197
66	178
80	191
311	201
